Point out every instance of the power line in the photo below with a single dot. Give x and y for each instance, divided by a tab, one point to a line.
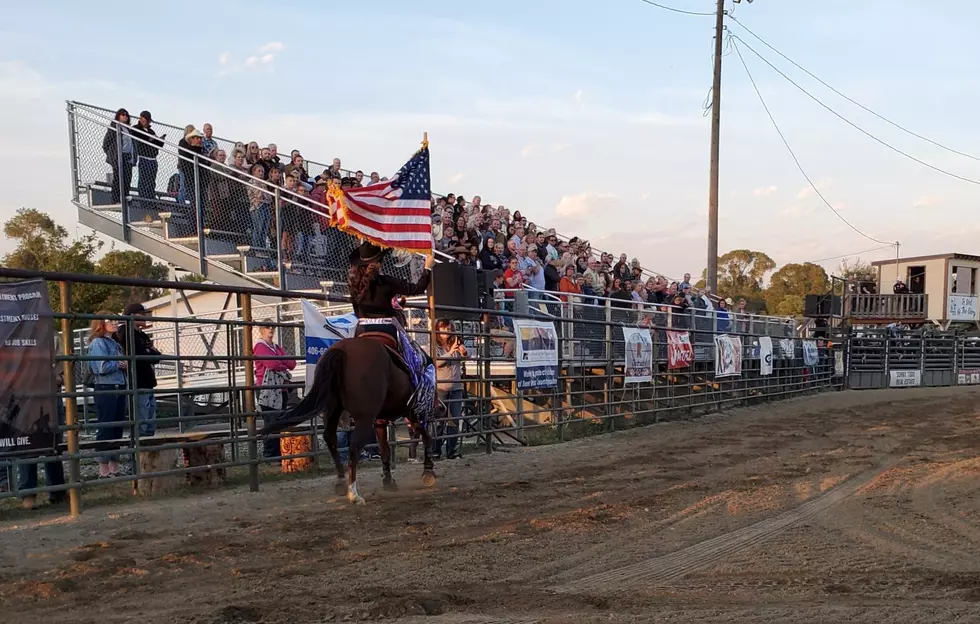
851	123
796	160
849	99
848	255
668	8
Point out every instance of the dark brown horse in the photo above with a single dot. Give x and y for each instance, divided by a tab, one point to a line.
359	375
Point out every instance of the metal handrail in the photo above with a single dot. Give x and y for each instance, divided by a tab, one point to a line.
110	113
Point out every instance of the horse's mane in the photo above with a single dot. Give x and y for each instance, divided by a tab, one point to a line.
359	280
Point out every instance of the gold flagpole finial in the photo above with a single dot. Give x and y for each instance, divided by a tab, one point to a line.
425	139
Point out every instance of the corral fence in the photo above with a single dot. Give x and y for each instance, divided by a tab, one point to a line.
888	359
207	393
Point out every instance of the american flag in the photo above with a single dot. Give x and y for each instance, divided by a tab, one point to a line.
393	213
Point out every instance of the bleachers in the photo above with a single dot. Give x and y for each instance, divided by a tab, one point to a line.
177	232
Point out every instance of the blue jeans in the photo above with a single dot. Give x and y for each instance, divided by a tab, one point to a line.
109	408
147	184
261	222
450	426
54	470
146	413
343	444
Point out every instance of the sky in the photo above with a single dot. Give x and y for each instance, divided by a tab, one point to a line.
585	116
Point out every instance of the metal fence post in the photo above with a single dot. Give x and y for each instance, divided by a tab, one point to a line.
607	378
199	216
486	424
253	447
278	246
123	194
71	404
73	150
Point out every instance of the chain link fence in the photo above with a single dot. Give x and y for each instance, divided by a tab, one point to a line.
268	223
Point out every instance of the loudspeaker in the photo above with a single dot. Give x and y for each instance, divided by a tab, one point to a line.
821	305
455	285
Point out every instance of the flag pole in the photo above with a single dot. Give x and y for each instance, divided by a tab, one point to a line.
432	282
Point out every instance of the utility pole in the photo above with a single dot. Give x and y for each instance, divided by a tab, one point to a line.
712	273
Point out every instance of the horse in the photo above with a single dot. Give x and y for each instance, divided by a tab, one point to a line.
360	375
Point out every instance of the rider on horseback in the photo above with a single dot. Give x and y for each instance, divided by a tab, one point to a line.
372	296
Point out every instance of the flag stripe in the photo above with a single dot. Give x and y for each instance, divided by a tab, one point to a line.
389	224
394	213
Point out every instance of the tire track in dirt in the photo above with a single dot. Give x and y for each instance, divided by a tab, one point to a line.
682	562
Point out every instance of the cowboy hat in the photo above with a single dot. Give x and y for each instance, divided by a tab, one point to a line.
367	253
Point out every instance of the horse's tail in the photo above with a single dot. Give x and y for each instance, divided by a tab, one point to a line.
320	399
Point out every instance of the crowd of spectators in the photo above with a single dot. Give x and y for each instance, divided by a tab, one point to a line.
527	256
237	196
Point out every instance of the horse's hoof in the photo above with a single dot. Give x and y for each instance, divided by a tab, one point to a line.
428	478
389	484
355	500
340	487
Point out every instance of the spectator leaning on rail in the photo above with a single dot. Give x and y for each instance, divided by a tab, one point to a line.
271	372
146	379
109	382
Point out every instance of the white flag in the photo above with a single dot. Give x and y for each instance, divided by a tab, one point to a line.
322	333
765	355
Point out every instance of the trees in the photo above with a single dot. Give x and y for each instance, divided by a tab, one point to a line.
43	245
741	273
791	284
135	264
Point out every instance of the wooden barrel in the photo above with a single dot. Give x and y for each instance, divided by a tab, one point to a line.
294	445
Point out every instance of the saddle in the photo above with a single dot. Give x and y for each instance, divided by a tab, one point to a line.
389	343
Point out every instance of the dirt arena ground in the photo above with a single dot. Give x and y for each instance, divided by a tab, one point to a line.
848	507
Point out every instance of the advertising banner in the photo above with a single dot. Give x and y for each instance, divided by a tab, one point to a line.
728	356
322	333
28	414
679	351
537	354
639	355
765	356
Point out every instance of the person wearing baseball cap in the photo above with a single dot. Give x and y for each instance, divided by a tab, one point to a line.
148	145
146	379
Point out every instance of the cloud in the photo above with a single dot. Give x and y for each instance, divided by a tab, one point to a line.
272	46
579	95
928	201
764	191
457	178
807	191
796	210
586	204
560	147
645	196
264	55
529	150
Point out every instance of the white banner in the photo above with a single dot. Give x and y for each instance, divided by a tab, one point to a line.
639	355
537	354
967	377
728	356
838	363
811	355
905	379
787	348
322	333
961	308
765	356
